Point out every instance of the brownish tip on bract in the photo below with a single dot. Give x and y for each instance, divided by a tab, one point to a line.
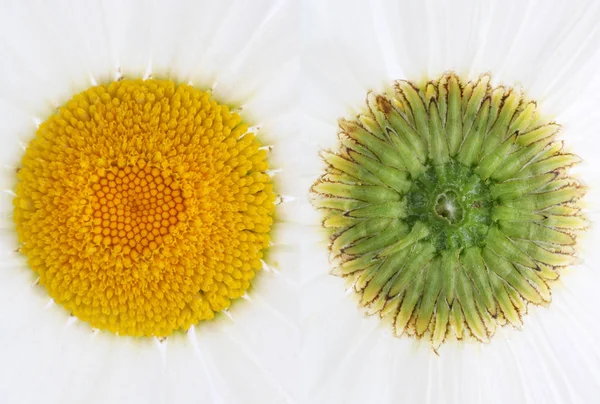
485	78
324	153
452	76
346	126
433	104
383	104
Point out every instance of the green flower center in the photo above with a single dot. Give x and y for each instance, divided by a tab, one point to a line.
448	207
454	203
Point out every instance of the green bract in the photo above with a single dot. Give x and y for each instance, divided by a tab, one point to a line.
450	207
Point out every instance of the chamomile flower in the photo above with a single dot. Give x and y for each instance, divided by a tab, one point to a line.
413	202
142	148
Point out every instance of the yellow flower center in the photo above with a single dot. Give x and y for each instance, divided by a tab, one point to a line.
133	209
144	206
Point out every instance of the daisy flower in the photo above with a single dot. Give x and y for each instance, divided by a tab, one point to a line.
390	72
143	155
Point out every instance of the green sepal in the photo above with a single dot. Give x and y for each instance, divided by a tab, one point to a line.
537	134
450	268
440	326
402	105
535	232
548	272
508	309
548	165
416	105
523	119
454	119
418	232
474	103
362	278
573	222
507	271
388	270
356	264
495	159
457	319
472	262
365	228
353	145
372	126
376	305
393	232
336	176
560	248
543	200
390	119
542	255
514	189
396	209
443	98
433	287
390	176
351	168
466	96
471	147
337	219
422	254
555	148
342	204
504	247
501	125
562	210
366	193
430	92
495	105
376	146
409	159
489	322
516	298
514	162
464	294
538	283
560	183
510	214
411	297
390	308
438	147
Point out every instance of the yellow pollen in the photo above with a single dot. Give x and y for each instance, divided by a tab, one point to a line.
144	206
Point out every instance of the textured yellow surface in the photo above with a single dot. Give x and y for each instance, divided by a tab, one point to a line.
144	206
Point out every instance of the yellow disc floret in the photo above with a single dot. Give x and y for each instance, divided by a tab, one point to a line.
144	206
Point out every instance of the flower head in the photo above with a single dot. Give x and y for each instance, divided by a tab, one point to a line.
144	206
450	207
232	63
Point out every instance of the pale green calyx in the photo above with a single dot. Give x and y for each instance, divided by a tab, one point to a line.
450	207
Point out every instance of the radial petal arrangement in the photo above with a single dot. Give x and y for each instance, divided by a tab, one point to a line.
144	206
450	207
